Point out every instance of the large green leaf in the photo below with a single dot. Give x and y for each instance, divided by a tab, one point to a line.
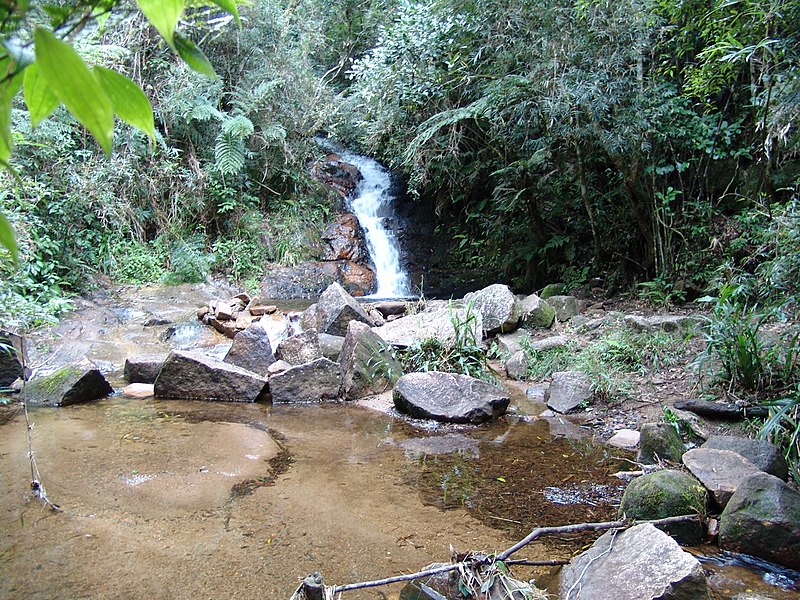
75	85
129	102
10	81
40	100
229	6
164	15
193	56
7	238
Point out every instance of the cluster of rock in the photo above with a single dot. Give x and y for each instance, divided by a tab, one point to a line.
236	314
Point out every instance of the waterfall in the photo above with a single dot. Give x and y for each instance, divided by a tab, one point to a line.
371	203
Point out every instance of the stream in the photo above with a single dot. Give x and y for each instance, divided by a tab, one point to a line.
186	499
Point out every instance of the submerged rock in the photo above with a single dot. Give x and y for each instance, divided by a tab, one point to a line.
73	384
641	563
762	518
499	308
311	382
368	367
568	390
449	397
195	376
251	350
763	454
721	471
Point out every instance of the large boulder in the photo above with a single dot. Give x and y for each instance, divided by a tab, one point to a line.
449	397
721	471
12	358
195	376
338	174
667	493
251	350
762	453
73	384
336	308
568	390
438	320
762	518
312	382
368	366
143	369
536	312
659	441
499	308
641	563
343	239
299	349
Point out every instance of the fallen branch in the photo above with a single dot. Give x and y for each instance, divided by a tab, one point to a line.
484	559
722	410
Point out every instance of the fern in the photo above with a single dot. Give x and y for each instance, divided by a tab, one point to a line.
229	154
238	126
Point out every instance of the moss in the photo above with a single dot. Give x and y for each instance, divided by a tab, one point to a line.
54	383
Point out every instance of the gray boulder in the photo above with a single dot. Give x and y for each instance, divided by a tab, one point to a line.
499	308
330	345
436	321
368	366
312	382
336	308
641	563
568	390
536	313
763	454
659	441
299	349
667	493
565	307
449	397
195	376
721	471
73	384
143	369
251	350
762	518
12	358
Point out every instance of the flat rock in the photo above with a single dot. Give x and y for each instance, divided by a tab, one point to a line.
195	376
721	471
568	390
641	563
436	321
627	439
762	453
449	397
311	382
367	365
251	350
762	518
299	349
73	384
499	308
336	308
143	369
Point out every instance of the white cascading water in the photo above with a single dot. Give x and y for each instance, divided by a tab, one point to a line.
370	203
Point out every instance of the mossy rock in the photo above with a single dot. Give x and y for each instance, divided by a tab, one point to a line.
73	384
659	441
664	494
553	289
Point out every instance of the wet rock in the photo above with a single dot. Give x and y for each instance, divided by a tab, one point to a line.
355	279
299	349
627	439
195	376
312	382
667	323
659	441
667	493
251	350
449	397
517	366
641	563
763	454
336	308
536	312
334	172
499	308
565	307
226	328
330	345
762	518
343	239
139	390
306	280
12	358
436	321
568	390
73	384
143	369
721	471
368	366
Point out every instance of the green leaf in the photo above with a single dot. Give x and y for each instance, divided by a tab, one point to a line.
11	80
75	85
40	100
163	15
129	102
229	6
7	238
193	56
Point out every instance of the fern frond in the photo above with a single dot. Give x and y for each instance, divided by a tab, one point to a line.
238	126
229	154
